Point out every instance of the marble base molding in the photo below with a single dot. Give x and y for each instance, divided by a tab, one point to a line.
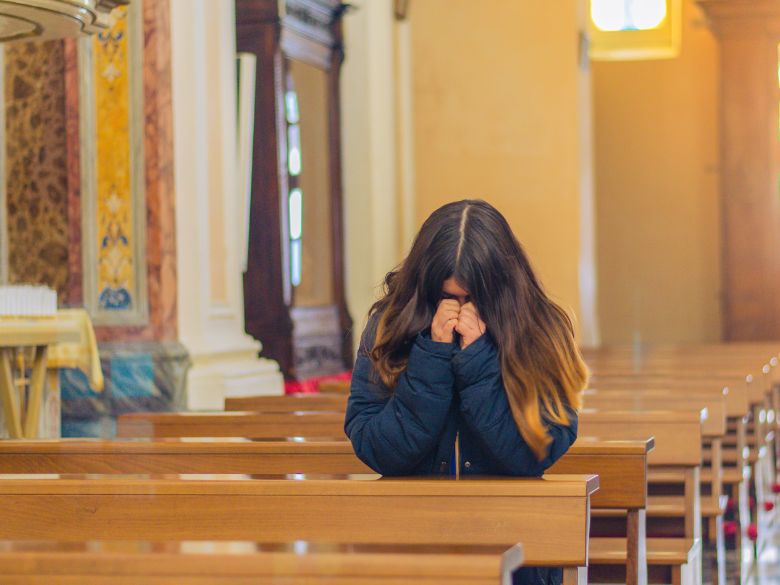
230	374
140	376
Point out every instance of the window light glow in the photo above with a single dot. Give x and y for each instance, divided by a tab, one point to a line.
296	214
620	15
294	150
291	105
609	14
647	14
295	262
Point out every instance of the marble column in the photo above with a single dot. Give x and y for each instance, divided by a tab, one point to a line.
748	32
89	142
122	254
210	209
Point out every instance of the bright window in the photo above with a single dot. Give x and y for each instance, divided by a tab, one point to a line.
616	15
295	262
634	29
296	214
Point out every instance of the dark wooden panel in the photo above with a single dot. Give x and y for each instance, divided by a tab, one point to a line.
310	31
267	314
249	12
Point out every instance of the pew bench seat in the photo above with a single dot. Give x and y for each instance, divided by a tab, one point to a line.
710	508
549	514
660	551
676	557
657	506
730	456
729	476
245	563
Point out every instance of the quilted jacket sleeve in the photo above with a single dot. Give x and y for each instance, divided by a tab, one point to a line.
393	431
485	408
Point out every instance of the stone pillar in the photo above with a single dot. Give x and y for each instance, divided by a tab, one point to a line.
749	32
210	211
88	138
371	200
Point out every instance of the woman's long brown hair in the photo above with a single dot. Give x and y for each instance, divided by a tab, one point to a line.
542	370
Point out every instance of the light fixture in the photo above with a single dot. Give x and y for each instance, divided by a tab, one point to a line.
52	19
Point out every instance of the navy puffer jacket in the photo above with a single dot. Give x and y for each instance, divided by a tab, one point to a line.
443	392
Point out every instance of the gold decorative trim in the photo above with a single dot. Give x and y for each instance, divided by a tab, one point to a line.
137	311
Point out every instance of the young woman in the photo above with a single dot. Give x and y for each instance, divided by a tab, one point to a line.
466	366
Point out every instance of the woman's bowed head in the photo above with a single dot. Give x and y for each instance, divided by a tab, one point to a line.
467	276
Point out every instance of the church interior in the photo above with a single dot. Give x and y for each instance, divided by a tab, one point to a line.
200	201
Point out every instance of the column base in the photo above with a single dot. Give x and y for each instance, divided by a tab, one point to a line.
215	377
141	376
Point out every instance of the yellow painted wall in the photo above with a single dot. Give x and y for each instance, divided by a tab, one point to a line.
656	150
497	116
369	156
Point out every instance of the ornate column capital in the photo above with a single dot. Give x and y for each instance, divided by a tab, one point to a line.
49	19
742	16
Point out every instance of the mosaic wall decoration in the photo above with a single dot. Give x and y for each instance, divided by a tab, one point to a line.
36	180
112	172
114	201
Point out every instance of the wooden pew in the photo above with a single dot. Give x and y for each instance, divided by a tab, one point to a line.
756	363
245	563
230	424
689	375
288	403
551	514
622	470
737	408
750	396
223	455
713	429
677	449
293	423
621	466
734	473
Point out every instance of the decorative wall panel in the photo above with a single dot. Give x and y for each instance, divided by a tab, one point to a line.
112	172
36	174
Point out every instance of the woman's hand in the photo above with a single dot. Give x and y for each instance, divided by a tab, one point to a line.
469	325
445	320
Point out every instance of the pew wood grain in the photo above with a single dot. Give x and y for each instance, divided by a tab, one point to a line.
242	562
551	513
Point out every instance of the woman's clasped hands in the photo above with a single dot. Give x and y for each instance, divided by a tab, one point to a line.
450	317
